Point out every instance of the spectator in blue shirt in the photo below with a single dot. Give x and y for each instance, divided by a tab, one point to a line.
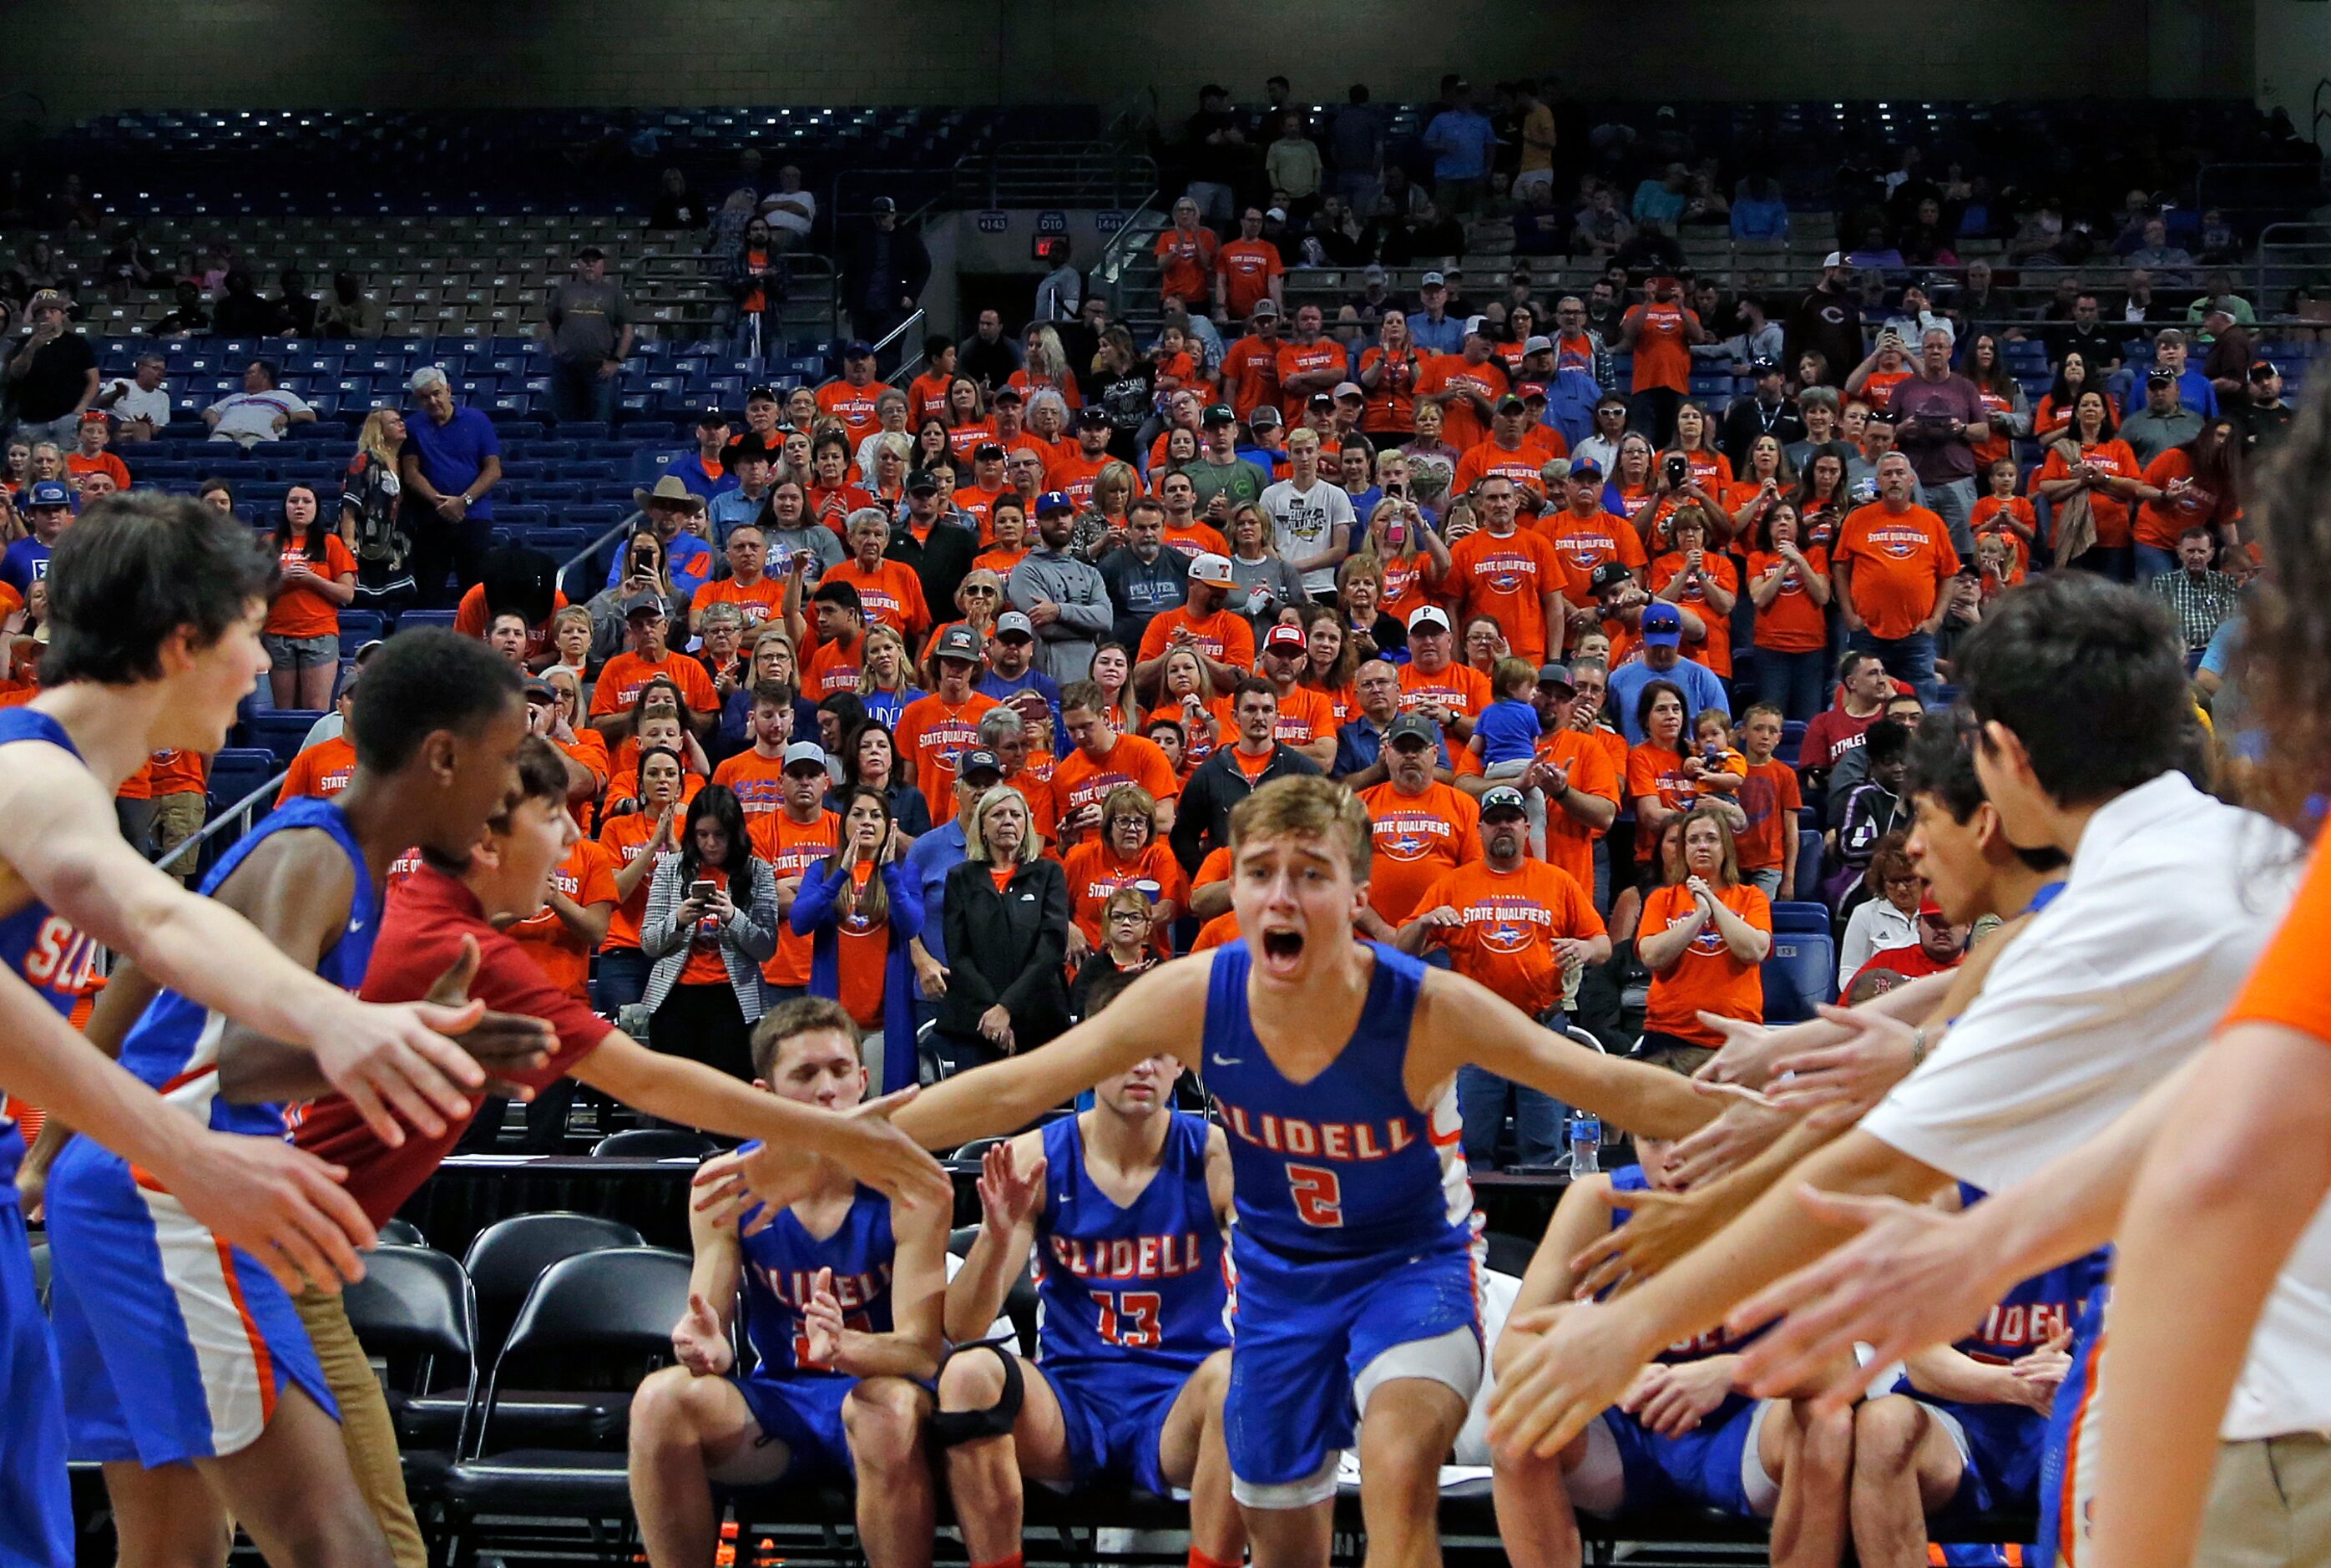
2193	389
1760	214
1430	327
1461	141
938	852
1662	659
1011	666
687	559
1661	201
48	508
449	463
700	468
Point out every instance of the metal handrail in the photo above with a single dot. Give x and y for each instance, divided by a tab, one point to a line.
1129	241
907	362
1042	174
211	829
2317	114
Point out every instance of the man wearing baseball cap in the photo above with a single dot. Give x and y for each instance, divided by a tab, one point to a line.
934	731
1449	694
1250	364
1075	473
1222	478
47	506
1661	332
1585	536
1062	594
794	837
1011	669
1465	387
851	399
1517	448
1422	828
1526	931
52	373
1662	630
1206	624
1307	720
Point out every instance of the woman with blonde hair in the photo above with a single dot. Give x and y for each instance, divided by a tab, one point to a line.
1185	694
371	524
886	675
1046	369
1102	527
887	479
1006	915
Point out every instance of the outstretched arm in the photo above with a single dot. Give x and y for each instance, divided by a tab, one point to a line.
1161	1014
1462	1023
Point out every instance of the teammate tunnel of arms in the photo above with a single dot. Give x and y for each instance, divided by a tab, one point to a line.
1334	1062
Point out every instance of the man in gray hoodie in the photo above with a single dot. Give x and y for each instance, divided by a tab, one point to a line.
1063	598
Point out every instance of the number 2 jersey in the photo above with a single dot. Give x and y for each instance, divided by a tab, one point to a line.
1147	1283
1343	1167
781	1266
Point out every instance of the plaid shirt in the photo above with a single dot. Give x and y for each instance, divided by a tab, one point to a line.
2200	603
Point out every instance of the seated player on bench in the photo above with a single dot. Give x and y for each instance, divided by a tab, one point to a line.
843	1305
1681	1433
1126	1206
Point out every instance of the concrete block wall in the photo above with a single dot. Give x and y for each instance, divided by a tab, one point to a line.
94	55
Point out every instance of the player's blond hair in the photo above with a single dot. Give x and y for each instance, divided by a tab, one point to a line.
1306	806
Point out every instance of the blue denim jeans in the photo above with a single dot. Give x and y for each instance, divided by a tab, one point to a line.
1483	1098
1910	658
2153	561
622	978
1795	682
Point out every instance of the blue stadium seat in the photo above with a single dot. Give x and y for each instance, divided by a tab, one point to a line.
358	627
1800	917
411	620
236	771
1799	976
1809	860
280	731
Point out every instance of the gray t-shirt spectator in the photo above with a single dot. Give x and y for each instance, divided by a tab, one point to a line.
1937	458
586	319
2149	435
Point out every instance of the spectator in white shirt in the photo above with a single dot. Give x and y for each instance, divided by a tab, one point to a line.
138	402
260	412
1311	517
789	210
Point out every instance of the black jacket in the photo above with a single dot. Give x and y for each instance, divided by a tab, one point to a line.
940	562
1007	947
1201	821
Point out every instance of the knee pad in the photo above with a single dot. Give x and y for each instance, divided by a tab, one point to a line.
952	1428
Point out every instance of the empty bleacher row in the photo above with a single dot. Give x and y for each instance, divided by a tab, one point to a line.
214	163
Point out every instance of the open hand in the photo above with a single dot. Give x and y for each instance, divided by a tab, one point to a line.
698	1342
1008	1195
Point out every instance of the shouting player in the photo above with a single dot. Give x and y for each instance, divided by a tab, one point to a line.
843	1297
1125	1206
155	609
1334	1062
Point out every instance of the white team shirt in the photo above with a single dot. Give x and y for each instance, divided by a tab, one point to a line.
2171	898
1302	523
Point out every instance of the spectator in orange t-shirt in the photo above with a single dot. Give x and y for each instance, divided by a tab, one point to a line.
1703	939
935	731
1422	828
1526	931
1308	364
1250	364
1102	761
1578	773
1449	694
796	836
90	456
1770	798
303	625
2007	514
573	921
1186	256
1790	585
1660	332
1584	535
1658	780
1517	448
1203	623
2094	462
649	657
1701	581
889	592
1128	852
1891	563
1248	269
755	775
851	399
1512	575
1465	387
636	841
320	771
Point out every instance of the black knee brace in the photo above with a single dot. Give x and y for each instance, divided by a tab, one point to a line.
950	1429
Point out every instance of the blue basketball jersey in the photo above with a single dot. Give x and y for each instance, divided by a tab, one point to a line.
1343	1167
40	947
2038	1309
1145	1284
174	1045
1715	1341
781	1267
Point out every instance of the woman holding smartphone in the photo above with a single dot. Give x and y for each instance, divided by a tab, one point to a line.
861	909
712	923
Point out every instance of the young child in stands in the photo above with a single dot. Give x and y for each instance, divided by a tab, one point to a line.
1770	799
2003	514
1714	765
1505	737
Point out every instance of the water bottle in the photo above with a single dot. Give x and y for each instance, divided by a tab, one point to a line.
1585	1145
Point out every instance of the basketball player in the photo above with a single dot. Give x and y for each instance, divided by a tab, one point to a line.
187	1373
1334	1064
1683	1433
155	608
1126	1207
843	1297
2114	986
